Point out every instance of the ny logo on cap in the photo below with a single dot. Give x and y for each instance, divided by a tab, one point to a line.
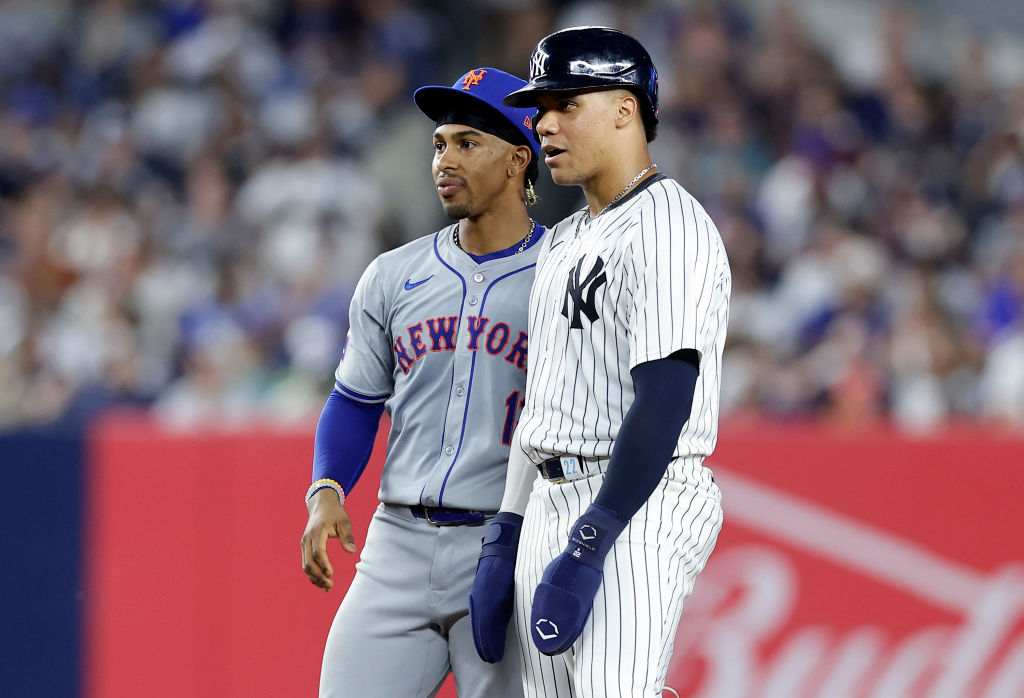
472	78
538	64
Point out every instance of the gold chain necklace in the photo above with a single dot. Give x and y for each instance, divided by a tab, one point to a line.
526	240
641	173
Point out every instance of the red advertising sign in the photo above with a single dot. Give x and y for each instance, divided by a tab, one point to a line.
851	565
194	585
860	565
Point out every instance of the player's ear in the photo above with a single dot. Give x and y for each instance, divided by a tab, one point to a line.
627	107
518	161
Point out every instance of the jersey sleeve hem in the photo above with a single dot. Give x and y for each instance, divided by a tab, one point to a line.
654	355
360	397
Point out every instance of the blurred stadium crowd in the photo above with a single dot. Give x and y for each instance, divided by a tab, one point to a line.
190	190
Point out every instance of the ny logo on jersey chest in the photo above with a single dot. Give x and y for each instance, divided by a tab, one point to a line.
581	294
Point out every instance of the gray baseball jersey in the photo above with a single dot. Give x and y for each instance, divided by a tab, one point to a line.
442	341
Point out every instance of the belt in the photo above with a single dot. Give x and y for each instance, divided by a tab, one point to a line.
564	469
444	516
567	468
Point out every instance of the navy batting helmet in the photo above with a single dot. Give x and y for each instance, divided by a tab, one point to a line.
582	58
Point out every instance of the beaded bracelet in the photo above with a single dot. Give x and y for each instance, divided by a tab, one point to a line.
324	483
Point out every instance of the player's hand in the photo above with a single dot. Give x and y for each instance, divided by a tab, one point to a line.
327	519
493	593
565	595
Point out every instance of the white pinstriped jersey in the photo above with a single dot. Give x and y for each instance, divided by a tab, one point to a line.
646	278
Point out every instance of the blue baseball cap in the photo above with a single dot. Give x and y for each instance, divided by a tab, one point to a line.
481	90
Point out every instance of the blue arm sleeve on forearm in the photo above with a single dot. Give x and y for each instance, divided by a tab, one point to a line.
664	396
344	439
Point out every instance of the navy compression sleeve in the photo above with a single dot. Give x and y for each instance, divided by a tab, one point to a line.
344	439
664	396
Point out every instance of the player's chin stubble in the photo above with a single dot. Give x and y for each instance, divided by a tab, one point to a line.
456	211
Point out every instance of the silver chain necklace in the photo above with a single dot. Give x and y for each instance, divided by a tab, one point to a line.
618	196
525	243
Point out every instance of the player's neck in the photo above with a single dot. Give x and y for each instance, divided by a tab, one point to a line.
496	229
606	187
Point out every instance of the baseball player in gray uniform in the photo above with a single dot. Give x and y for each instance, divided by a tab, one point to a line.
606	484
437	338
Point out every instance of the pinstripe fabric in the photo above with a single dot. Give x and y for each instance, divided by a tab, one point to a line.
626	645
668	285
644	279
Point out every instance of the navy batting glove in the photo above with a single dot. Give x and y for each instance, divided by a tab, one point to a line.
565	595
493	593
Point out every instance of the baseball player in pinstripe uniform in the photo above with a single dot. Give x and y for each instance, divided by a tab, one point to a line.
437	338
606	485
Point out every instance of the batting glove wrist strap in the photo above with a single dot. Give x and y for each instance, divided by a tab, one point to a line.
565	595
502	536
593	535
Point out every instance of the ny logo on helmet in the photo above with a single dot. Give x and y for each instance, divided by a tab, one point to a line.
472	78
575	289
538	64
